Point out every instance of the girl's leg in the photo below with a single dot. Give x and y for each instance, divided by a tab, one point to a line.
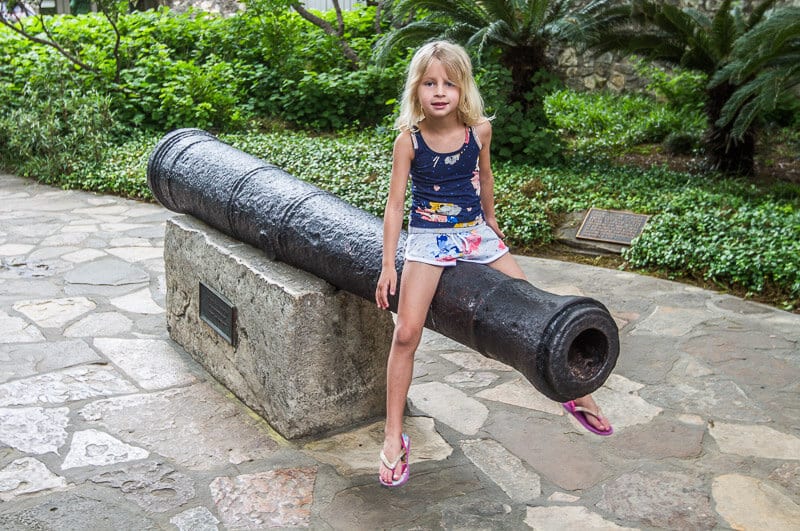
506	264
509	266
417	286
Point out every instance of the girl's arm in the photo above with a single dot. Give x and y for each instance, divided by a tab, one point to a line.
484	134
393	217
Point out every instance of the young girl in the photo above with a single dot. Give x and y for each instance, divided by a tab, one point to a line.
443	146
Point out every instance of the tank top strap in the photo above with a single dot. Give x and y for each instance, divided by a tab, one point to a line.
475	136
414	141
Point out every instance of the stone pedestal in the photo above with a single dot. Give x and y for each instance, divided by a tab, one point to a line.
307	357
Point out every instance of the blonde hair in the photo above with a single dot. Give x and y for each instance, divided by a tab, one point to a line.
459	70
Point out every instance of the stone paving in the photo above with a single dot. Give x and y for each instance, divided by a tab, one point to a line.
105	423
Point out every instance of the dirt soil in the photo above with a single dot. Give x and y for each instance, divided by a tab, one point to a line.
779	162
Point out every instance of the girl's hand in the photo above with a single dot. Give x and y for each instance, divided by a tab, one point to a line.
387	284
492	223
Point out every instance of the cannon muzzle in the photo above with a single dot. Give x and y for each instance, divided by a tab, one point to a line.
565	346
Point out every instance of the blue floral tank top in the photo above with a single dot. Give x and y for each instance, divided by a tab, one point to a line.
445	187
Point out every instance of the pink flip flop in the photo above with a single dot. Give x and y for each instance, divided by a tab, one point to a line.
580	415
402	460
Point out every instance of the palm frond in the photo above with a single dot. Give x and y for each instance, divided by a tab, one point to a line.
592	25
458	32
408	36
698	58
685	22
652	45
536	13
723	31
767	61
780	31
499	32
756	98
758	12
477	41
694	40
501	10
462	10
772	43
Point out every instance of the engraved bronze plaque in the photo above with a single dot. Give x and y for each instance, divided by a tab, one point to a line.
218	312
613	226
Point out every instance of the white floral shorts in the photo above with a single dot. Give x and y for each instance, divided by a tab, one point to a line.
443	248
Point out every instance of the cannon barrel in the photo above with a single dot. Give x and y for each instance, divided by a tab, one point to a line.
565	346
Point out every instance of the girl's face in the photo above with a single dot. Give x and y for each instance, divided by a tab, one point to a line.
438	95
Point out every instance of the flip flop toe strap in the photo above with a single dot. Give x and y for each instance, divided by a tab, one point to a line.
392	465
587	411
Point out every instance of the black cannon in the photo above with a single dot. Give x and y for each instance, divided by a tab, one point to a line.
565	346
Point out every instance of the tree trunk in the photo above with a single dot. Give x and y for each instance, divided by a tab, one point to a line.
524	62
349	53
724	152
143	5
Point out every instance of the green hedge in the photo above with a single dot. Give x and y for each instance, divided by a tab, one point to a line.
605	123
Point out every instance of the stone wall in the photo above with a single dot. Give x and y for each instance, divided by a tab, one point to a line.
612	71
586	72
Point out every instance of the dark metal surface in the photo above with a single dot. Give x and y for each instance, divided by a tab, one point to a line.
613	226
565	346
218	313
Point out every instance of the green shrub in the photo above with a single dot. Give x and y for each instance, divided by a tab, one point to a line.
680	143
522	213
191	35
786	113
56	128
338	99
165	74
519	134
201	70
180	70
298	73
731	237
172	94
122	170
604	123
683	90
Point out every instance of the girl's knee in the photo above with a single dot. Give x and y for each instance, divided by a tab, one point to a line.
407	335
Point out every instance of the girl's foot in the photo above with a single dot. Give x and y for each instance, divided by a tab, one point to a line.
593	416
394	462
